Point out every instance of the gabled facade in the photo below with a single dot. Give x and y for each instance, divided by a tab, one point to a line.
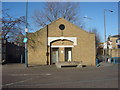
61	41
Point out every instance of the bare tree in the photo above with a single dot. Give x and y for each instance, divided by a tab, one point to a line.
97	36
11	27
97	39
55	10
19	39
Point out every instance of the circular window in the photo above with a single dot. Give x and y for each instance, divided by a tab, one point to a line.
62	27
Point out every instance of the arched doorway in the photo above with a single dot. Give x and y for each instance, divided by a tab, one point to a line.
61	51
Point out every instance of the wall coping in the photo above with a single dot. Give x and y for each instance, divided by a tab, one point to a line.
73	39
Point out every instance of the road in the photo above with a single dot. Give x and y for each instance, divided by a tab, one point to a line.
17	76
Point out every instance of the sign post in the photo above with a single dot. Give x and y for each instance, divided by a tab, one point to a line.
110	47
105	50
25	39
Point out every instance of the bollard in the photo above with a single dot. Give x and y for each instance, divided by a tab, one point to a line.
110	60
118	60
21	59
97	63
115	60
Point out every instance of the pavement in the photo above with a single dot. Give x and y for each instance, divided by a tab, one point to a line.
104	64
18	76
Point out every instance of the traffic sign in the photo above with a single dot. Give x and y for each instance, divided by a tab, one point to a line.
105	45
25	40
110	42
110	46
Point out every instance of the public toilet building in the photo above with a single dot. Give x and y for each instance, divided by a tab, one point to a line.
61	41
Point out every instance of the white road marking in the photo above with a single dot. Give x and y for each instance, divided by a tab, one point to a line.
29	74
17	82
23	80
64	82
48	74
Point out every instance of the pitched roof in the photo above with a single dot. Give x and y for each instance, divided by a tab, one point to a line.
115	35
71	23
68	22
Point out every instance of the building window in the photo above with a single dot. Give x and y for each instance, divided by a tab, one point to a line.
62	27
118	46
118	43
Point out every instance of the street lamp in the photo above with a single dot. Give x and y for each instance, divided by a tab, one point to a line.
87	18
105	44
26	31
105	23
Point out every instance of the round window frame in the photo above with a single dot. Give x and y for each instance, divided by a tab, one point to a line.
61	26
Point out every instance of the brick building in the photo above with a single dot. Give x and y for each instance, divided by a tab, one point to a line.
114	46
61	41
12	52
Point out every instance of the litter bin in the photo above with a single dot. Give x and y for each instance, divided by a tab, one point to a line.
97	62
116	60
110	60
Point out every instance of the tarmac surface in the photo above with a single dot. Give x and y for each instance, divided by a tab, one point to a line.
18	76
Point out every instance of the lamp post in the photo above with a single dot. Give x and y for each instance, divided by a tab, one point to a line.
88	18
26	30
105	51
0	48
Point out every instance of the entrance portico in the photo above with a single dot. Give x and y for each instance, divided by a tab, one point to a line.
61	48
